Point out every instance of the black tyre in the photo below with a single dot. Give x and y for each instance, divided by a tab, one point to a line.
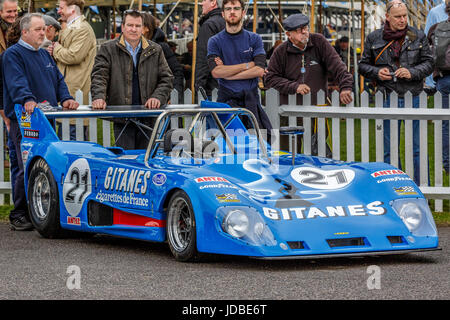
43	200
181	228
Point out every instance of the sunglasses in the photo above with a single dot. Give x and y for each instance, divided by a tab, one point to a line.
395	4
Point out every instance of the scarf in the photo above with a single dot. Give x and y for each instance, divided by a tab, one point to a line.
398	36
4	26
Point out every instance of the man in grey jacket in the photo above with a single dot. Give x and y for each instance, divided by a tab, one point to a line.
148	80
398	58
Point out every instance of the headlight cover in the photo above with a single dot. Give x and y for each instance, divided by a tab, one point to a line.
245	224
416	216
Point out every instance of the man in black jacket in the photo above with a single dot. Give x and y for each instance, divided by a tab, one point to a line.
210	23
398	58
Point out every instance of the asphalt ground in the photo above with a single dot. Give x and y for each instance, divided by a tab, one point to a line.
104	267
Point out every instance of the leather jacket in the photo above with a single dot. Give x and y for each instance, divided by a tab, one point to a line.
415	55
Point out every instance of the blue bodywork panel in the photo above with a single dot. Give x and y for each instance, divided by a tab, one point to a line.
316	207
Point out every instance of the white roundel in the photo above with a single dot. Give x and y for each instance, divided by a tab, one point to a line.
323	179
77	186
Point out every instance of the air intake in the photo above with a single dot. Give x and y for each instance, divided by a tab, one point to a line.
396	240
296	245
346	242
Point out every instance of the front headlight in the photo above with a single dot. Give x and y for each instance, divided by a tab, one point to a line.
411	215
245	224
416	216
236	223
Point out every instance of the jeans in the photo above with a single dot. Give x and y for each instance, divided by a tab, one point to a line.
443	86
416	137
13	164
20	200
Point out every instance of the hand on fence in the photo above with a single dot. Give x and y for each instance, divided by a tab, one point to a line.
346	96
153	103
70	104
99	104
303	89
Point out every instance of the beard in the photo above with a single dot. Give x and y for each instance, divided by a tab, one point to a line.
233	23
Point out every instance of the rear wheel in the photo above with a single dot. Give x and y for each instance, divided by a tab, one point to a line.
181	228
43	200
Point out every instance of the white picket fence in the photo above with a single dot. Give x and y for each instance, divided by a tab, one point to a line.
335	115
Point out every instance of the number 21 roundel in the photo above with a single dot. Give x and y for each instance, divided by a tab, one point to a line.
323	179
77	186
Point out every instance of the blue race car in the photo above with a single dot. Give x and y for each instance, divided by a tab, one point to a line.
210	183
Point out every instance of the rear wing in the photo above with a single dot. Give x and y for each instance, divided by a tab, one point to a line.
40	125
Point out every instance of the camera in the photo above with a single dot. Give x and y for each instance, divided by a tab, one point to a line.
392	74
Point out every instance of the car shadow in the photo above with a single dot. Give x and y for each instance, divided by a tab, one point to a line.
162	251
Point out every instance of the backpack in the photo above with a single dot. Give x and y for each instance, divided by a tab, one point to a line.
441	46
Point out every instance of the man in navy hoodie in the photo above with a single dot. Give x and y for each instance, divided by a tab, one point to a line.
30	76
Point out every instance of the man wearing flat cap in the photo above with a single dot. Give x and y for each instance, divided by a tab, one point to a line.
51	31
301	64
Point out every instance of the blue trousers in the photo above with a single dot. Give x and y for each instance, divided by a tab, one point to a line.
13	164
443	86
416	137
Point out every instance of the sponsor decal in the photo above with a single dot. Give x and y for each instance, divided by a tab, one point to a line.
159	179
382	173
25	120
210	179
126	180
394	179
77	186
227	197
33	134
122	185
74	221
218	186
25	155
323	179
406	190
299	213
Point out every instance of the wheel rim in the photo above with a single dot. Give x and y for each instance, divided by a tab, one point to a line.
180	224
41	196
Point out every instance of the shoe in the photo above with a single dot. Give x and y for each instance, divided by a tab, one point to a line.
21	224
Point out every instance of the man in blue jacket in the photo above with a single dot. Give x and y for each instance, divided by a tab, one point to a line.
30	76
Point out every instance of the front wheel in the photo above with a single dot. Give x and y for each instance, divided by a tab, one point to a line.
181	229
43	200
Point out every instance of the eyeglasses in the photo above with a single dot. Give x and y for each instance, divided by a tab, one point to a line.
394	4
302	29
228	9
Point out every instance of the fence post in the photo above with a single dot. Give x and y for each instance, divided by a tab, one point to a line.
394	130
409	136
272	109
423	142
307	127
438	181
365	150
336	127
379	132
350	135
